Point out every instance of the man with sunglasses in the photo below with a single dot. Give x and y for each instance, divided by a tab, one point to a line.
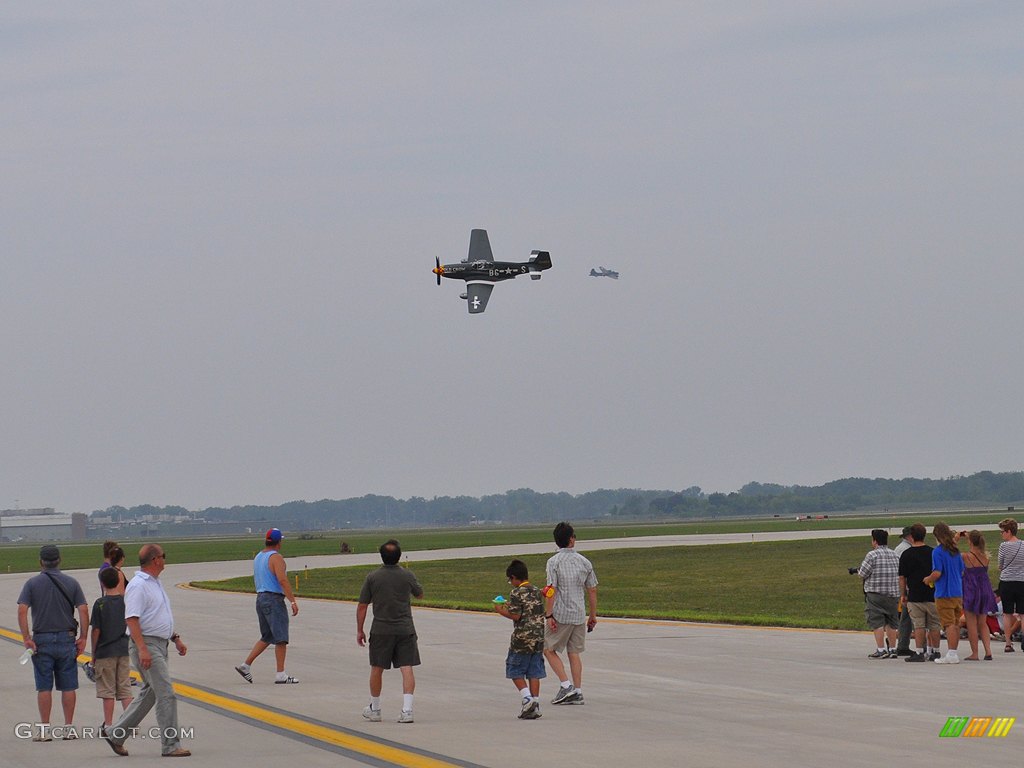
151	626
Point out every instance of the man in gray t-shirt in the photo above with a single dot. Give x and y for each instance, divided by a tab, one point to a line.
53	598
390	590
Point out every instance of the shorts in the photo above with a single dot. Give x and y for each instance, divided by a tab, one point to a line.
881	610
950	610
568	637
387	651
113	678
924	616
273	617
529	666
55	661
1012	595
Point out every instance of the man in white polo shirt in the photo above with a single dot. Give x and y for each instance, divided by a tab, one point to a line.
151	626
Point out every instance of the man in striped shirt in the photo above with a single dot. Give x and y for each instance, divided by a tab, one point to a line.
880	571
575	586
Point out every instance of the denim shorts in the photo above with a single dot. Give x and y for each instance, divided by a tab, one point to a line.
55	662
528	666
273	615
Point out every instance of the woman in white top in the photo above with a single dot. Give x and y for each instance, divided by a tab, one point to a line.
1011	579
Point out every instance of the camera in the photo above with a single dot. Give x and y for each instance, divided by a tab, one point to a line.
852	571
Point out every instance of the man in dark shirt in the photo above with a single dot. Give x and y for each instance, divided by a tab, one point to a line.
918	597
392	635
54	597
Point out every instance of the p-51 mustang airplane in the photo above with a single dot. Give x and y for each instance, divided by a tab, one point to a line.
481	271
602	272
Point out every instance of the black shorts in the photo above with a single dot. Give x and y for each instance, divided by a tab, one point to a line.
1012	595
393	651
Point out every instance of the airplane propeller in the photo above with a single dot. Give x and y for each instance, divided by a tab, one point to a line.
438	270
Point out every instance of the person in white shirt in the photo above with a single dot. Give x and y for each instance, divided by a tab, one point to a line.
151	626
906	625
568	622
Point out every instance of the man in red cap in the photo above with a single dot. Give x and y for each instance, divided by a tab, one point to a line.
272	589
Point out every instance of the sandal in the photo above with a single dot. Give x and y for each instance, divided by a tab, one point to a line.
1009	649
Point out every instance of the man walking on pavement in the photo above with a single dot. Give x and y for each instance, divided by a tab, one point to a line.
147	611
574	584
272	588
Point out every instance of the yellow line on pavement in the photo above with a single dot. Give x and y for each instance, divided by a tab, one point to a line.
295	724
319	732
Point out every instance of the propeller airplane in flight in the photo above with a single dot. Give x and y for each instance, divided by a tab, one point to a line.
481	271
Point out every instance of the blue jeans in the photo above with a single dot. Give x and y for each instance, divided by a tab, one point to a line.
55	661
273	617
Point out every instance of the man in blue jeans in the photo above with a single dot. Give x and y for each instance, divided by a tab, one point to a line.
53	598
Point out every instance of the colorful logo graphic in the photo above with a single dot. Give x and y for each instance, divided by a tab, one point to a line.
994	727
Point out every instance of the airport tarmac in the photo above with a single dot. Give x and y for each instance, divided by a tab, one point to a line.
657	693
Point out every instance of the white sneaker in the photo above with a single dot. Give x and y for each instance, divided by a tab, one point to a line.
373	715
947	659
405	717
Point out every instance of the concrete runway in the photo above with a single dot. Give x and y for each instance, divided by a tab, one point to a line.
658	693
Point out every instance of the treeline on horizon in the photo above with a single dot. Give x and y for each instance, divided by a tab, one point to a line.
525	506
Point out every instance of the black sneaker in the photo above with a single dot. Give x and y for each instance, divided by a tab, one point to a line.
879	655
916	657
935	656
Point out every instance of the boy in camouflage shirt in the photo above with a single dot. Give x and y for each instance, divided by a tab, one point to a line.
525	660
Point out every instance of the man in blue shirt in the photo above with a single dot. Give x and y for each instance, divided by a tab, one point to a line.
271	578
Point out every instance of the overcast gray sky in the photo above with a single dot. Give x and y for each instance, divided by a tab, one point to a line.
219	221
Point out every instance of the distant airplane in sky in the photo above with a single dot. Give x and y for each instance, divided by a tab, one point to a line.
481	271
602	272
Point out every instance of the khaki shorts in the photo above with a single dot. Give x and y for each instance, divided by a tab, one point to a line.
924	616
950	610
568	637
113	678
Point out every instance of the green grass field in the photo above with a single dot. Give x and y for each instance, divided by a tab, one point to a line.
18	558
787	584
795	584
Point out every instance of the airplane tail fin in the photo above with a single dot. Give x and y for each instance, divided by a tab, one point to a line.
540	260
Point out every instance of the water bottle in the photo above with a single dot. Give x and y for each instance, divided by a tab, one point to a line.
28	654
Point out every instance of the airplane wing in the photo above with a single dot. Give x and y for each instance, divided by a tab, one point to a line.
477	293
479	247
